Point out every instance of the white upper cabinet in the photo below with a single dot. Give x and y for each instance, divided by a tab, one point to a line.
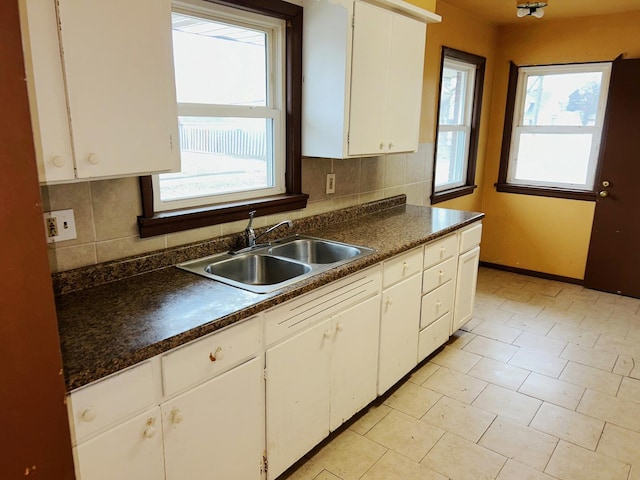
362	85
105	106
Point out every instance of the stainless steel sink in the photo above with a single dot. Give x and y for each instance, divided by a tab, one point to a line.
270	267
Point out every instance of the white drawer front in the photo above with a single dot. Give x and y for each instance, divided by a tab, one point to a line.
433	336
436	304
470	237
439	275
440	250
402	267
107	401
210	355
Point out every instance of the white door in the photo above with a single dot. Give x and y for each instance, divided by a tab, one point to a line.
405	84
369	79
466	287
120	84
129	451
214	430
297	386
354	360
399	327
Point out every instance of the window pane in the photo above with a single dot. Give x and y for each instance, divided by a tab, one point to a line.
451	158
452	96
564	99
554	158
220	155
216	63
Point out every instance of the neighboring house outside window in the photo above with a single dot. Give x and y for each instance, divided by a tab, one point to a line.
461	85
554	127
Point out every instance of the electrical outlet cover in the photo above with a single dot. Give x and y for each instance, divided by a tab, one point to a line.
61	222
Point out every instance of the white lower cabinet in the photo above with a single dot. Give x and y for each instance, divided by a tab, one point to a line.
216	429
466	287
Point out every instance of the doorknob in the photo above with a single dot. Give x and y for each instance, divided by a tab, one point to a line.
603	193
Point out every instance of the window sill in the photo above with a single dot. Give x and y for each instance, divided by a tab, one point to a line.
452	193
179	220
547	192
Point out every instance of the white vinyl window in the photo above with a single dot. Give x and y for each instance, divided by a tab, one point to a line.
557	126
454	124
229	75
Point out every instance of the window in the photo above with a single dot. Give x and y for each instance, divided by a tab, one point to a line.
461	83
238	78
554	124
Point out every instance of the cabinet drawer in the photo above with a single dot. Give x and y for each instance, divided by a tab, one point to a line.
403	266
433	336
107	401
210	355
440	250
436	304
439	275
470	237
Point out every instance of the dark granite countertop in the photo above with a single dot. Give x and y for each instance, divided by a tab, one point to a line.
109	327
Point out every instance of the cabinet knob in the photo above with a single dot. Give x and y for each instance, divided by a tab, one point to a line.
339	327
441	274
389	301
58	161
391	145
150	429
327	334
405	265
89	414
176	416
438	305
442	250
218	354
381	145
93	159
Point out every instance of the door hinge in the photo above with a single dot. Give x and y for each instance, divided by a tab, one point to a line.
353	20
348	138
265	463
264	374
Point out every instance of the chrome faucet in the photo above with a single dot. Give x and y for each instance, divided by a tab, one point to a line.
250	235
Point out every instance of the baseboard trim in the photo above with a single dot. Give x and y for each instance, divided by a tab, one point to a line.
532	273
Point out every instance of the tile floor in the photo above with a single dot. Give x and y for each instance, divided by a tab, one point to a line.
543	383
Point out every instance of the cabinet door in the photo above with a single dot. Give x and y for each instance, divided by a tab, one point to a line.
130	451
354	360
400	323
369	79
118	66
297	381
214	430
466	287
405	84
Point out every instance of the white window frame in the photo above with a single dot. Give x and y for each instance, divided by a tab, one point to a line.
275	30
465	127
595	130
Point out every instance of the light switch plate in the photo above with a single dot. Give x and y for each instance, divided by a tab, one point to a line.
60	225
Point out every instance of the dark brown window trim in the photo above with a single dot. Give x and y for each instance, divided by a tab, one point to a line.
474	134
546	191
151	223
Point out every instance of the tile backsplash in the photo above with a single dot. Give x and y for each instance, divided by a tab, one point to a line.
106	210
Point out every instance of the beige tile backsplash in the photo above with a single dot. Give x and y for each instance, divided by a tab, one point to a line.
106	210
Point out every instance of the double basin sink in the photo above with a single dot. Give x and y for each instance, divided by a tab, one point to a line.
266	268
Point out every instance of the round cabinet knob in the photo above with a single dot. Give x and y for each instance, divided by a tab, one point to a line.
93	159
603	193
339	327
149	431
89	414
176	416
58	161
327	334
218	354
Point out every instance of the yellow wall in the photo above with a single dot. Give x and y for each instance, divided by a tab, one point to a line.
536	233
429	5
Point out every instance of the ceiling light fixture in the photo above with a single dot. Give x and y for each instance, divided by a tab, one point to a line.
535	9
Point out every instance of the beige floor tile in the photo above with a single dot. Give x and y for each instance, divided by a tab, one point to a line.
455	385
405	435
539	362
349	455
460	338
574	335
611	409
588	308
549	289
517	295
425	371
552	390
627	366
374	413
605	326
517	471
621	444
630	390
530	324
519	442
460	459
492	314
309	470
521	307
491	348
489	300
413	399
590	357
540	343
393	466
506	403
497	331
499	373
570	462
545	301
635	472
456	359
620	346
459	418
324	475
561	316
568	425
593	378
467	327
